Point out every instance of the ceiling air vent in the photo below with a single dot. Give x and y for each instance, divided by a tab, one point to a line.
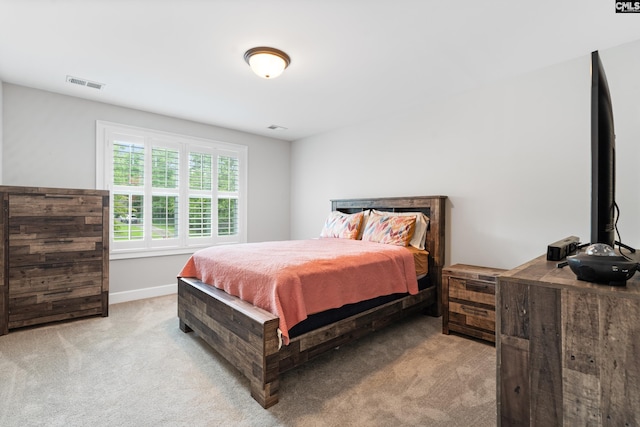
85	82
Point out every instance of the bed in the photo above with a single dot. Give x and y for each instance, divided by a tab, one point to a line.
249	337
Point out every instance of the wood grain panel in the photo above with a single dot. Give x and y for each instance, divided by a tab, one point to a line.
53	228
545	357
478	311
580	332
20	259
44	278
472	317
476	331
514	309
472	290
60	309
514	384
31	302
581	399
56	283
619	361
45	246
53	204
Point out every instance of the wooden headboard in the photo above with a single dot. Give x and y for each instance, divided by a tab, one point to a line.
431	206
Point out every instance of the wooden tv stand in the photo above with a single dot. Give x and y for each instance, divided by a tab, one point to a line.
568	351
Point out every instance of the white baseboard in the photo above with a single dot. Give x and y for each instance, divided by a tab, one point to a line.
156	291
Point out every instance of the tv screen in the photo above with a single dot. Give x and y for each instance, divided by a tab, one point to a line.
603	157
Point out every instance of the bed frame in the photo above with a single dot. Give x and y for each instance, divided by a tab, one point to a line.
247	336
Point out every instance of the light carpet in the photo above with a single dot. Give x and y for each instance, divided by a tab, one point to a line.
136	368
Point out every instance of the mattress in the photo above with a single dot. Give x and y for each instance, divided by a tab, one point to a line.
421	261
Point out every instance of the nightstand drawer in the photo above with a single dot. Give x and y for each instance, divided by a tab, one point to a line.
472	315
472	290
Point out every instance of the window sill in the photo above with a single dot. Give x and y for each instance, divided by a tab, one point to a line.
148	253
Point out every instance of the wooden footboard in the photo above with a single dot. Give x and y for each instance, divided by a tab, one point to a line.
243	334
247	336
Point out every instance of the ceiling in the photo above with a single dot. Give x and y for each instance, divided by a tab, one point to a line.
351	60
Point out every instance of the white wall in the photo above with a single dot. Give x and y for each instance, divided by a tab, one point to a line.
1	130
50	141
513	158
622	67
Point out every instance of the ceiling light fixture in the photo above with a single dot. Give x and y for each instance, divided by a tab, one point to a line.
267	62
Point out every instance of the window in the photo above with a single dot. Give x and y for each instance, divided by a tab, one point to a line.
170	193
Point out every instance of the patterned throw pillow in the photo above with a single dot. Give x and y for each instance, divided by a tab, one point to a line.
422	225
390	229
342	225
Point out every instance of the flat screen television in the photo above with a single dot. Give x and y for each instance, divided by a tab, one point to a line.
603	158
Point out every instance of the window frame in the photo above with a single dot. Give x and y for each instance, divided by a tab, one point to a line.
108	132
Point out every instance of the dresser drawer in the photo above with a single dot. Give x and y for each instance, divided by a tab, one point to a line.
44	294
51	279
53	205
50	250
26	227
51	307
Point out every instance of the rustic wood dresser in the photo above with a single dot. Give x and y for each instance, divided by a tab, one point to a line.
54	248
568	351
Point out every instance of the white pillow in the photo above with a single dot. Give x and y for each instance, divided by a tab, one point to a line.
365	218
420	233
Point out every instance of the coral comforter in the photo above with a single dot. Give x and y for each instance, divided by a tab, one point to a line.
293	279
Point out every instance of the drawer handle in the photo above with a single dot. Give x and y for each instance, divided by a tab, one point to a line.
59	241
66	291
476	287
57	196
476	311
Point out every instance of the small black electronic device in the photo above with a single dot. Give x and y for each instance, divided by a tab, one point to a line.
600	264
560	249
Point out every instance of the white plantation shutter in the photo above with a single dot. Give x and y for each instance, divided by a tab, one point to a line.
165	191
127	196
200	194
170	193
228	193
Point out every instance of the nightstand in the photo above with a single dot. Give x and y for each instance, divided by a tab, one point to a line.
469	300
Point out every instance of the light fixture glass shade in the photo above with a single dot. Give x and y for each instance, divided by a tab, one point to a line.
267	62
